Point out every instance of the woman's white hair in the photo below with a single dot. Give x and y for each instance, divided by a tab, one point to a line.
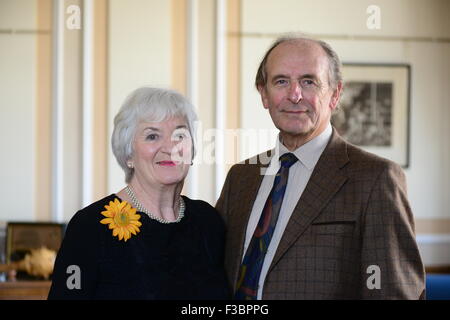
151	105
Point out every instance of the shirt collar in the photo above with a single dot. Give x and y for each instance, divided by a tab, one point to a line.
309	153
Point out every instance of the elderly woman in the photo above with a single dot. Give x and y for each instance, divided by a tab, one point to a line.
146	241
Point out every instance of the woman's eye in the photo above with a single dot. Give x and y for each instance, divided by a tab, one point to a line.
152	136
180	137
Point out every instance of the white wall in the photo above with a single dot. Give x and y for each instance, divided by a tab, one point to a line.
17	91
139	55
429	172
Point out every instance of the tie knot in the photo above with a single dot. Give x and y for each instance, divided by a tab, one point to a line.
287	160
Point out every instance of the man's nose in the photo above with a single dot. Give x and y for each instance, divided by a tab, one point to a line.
295	92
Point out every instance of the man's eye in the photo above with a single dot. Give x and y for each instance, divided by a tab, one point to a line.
307	82
281	82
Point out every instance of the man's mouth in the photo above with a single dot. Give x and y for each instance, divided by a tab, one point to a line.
295	111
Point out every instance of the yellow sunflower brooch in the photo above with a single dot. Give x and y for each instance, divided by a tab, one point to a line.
122	219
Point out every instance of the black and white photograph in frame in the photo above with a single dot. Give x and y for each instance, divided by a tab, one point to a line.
374	109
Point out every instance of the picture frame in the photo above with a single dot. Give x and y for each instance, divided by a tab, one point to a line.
375	109
22	237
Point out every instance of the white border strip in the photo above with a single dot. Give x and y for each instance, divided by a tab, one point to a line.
58	111
220	94
88	107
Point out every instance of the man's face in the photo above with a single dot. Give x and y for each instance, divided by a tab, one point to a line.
297	92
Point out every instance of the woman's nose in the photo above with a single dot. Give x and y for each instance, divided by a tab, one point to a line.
168	145
295	93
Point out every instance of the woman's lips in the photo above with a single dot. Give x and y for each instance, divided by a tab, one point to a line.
167	163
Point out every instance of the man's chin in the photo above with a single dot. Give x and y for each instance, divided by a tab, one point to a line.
295	128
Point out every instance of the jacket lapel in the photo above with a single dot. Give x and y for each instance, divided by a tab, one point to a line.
323	184
251	178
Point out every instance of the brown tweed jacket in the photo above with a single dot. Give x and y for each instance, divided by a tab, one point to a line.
351	235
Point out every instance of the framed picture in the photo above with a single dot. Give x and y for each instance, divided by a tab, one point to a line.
22	237
374	111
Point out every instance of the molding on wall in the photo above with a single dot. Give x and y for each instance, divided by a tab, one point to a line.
434	249
192	82
88	103
233	76
179	45
42	115
38	31
221	94
432	226
345	37
100	139
58	112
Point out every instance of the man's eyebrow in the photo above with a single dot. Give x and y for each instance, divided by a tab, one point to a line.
284	76
279	76
311	76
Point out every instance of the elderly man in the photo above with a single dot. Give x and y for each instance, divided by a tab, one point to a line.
324	219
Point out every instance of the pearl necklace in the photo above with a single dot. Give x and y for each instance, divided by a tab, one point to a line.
141	208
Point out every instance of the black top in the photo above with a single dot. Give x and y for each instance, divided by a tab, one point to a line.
181	260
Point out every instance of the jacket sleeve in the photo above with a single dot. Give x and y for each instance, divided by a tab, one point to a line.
391	265
75	272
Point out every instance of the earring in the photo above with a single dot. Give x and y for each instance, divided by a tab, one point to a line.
130	165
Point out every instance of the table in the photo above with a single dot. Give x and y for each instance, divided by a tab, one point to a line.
24	290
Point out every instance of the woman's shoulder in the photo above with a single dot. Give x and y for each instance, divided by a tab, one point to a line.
202	209
92	212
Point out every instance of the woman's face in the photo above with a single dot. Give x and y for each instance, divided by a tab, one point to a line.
162	152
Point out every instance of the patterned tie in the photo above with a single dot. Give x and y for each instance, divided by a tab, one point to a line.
250	271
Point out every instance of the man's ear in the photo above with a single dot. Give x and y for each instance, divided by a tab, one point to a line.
336	96
263	92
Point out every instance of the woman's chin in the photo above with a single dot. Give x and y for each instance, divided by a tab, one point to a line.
171	179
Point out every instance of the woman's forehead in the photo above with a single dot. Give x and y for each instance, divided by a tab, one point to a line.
173	122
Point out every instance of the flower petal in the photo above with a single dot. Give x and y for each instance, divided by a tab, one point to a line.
136	223
106	221
133	229
106	214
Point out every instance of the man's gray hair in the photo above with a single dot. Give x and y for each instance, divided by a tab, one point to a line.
151	105
334	63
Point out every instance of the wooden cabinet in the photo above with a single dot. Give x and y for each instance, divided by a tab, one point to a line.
24	290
